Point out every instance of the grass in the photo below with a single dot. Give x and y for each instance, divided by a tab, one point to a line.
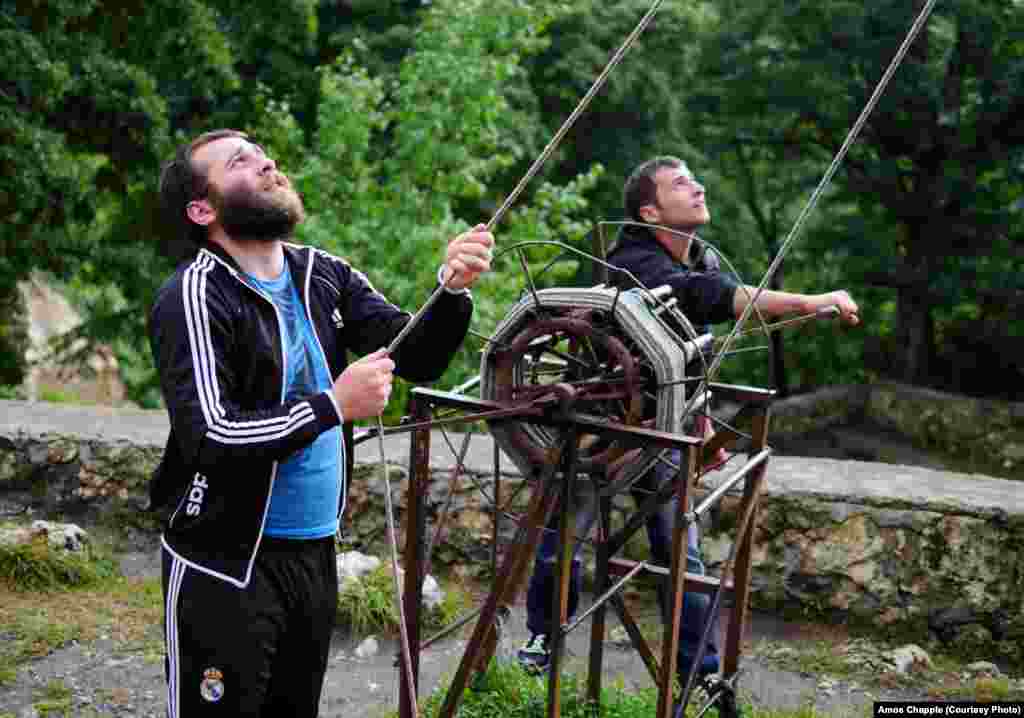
817	657
49	598
506	690
12	393
368	606
56	700
944	682
60	396
34	566
840	659
985	689
128	612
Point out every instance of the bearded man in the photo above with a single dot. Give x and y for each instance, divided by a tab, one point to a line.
251	338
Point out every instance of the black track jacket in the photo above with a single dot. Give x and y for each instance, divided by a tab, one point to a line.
705	293
217	345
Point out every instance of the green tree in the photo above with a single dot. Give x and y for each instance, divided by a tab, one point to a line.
645	110
273	49
398	158
93	96
385	28
936	176
641	109
77	121
761	186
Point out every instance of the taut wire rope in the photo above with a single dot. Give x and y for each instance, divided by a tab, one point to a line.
851	137
541	159
418	316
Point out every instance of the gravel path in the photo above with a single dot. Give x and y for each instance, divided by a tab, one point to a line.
100	679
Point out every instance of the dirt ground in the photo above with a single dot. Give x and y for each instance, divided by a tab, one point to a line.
102	677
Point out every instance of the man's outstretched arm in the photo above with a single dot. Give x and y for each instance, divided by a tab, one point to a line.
776	304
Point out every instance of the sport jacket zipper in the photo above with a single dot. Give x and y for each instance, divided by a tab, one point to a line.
284	373
341	438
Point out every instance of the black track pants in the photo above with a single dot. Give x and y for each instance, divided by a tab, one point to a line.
254	651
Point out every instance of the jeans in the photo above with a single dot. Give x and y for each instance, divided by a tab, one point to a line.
541	590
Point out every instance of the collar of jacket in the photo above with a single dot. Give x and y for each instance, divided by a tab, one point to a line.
631	234
296	256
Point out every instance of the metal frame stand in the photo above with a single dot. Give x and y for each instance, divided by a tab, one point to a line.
556	481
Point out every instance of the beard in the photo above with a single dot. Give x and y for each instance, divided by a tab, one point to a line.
259	217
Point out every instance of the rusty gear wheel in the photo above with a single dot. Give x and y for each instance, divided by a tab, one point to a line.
619	356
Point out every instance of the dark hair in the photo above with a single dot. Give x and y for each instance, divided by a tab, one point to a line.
182	182
640	189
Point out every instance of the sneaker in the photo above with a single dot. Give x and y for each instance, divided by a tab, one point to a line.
705	679
535	656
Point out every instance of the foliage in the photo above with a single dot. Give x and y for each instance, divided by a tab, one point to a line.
14	338
388	157
929	196
37	623
272	47
57	699
395	157
367	605
506	690
384	28
411	120
89	90
640	111
35	566
10	392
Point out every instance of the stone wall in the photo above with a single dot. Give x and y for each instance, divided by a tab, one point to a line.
57	459
935	555
978	429
985	434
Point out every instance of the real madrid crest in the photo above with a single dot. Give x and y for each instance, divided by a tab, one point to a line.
212	686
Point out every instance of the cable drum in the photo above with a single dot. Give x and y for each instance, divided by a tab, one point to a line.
614	355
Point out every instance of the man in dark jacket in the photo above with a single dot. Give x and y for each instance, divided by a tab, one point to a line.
664	194
667	205
250	339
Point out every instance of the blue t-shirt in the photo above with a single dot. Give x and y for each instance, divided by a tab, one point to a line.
307	488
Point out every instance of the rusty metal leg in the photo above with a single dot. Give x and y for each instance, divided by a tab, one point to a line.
677	582
496	534
751	491
419	484
563	571
597	627
637	639
481	644
512	579
491	641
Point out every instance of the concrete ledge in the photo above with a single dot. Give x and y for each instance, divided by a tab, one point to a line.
895	487
36	419
932	554
982	433
937	554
